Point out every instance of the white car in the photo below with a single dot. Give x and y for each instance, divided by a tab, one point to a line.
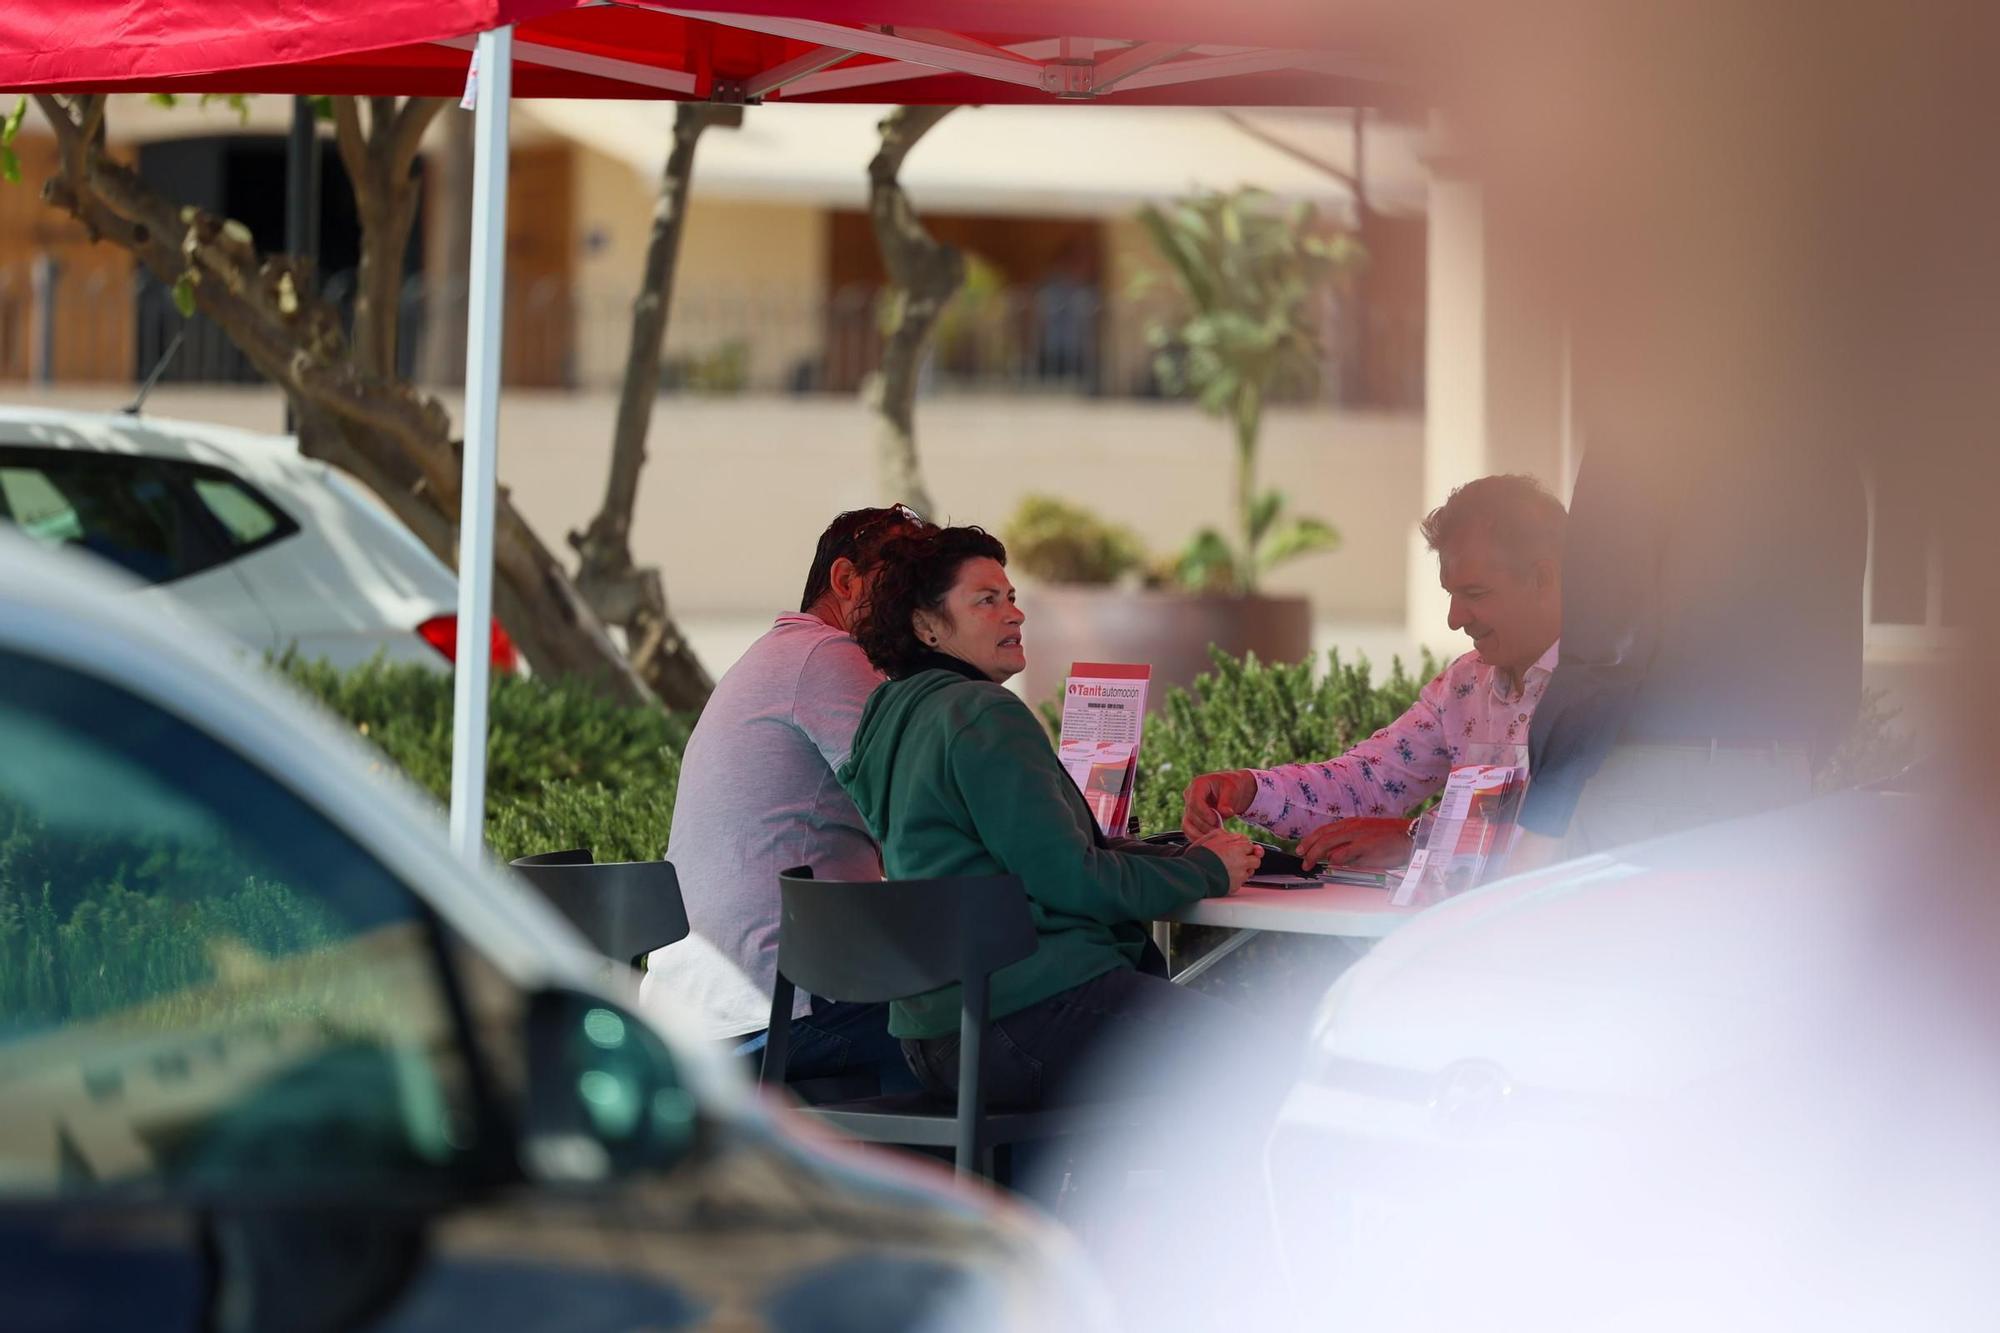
1738	1077
280	552
271	1056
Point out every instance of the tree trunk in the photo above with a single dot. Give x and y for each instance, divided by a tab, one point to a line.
1360	306
449	274
379	165
924	276
621	593
395	440
1246	421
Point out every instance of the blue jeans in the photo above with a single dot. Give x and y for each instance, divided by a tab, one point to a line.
838	1038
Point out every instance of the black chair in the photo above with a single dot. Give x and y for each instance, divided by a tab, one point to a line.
875	941
626	909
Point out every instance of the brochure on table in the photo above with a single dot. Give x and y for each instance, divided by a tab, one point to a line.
1477	818
1103	717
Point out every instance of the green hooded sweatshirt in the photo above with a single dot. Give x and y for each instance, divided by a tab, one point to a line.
956	777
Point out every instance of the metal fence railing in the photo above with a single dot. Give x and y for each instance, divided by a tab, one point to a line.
1057	338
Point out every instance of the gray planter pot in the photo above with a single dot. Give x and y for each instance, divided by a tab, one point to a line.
1170	631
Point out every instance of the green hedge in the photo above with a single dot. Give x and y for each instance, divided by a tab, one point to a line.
1247	714
117	944
565	768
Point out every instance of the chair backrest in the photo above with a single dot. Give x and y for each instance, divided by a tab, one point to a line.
882	940
626	909
573	856
876	940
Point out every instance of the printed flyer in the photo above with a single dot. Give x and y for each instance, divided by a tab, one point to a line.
1477	817
1104	714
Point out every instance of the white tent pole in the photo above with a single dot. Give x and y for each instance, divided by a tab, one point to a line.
494	70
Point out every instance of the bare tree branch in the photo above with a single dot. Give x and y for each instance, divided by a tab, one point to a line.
1354	184
77	122
91	121
381	115
379	166
901	131
407	134
59	119
924	275
621	593
350	139
448	253
353	145
612	527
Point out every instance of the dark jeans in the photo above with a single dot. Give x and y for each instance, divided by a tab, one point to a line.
1116	1035
838	1038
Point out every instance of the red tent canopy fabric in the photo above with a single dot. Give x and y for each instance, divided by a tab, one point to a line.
944	52
47	44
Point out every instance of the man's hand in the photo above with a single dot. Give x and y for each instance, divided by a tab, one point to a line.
1370	844
1214	797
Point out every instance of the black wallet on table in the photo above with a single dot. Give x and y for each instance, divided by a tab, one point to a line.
1275	862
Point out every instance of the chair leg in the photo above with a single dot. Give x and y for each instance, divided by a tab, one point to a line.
778	1037
972	1156
971	1081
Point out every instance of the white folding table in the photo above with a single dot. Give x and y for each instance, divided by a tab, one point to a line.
1352	911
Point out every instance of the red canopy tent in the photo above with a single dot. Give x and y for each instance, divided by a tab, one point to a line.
942	52
937	52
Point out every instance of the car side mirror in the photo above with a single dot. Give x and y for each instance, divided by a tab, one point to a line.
604	1096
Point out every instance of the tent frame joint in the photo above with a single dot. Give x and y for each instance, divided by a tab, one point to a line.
1070	80
732	92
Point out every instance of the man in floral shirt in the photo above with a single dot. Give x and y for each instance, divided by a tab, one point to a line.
1499	542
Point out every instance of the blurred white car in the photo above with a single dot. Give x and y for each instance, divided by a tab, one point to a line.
1682	1084
280	552
272	1057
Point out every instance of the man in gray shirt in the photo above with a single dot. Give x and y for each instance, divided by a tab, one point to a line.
757	796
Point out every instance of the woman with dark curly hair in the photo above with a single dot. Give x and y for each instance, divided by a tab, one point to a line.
955	776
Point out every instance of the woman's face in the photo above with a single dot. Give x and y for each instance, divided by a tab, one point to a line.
980	623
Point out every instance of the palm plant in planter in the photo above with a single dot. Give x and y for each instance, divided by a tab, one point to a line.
1097	596
1246	273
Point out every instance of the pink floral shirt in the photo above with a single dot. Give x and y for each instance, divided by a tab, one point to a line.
1471	714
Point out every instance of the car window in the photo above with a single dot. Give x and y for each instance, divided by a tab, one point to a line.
203	983
244	516
121	509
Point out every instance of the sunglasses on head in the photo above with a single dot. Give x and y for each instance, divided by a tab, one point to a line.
896	515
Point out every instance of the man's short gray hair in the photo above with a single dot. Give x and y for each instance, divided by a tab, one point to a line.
1516	511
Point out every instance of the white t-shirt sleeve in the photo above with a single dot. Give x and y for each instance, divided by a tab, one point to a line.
834	685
